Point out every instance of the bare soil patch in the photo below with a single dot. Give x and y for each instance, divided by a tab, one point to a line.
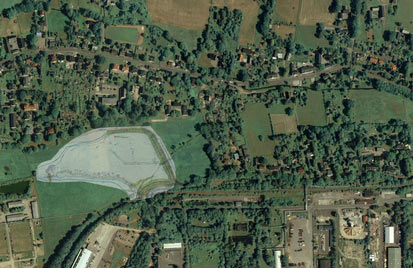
193	14
186	14
284	31
316	11
283	124
287	10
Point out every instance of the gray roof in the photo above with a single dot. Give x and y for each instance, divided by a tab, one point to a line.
394	258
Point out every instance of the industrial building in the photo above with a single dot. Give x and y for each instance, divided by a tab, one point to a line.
15	204
394	257
35	209
172	245
82	259
15	217
277	255
389	235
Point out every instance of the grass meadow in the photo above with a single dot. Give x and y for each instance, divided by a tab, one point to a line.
56	21
122	34
378	107
314	112
185	145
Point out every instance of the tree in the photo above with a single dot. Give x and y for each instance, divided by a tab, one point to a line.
289	111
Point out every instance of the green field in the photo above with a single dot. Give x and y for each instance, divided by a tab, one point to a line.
256	121
122	34
379	107
55	229
204	255
305	36
189	37
185	145
403	15
63	205
86	4
314	112
25	22
61	198
56	21
6	4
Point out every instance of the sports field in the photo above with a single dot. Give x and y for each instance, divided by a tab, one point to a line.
132	159
283	123
125	33
313	113
373	106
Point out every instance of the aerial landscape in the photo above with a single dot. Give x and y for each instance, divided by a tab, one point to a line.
206	133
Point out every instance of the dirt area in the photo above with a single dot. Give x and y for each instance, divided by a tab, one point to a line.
171	258
186	14
21	239
4	251
316	11
193	14
283	124
351	224
351	254
300	250
335	198
284	31
11	27
287	10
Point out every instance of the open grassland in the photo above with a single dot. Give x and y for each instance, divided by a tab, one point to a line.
250	10
25	22
378	107
314	112
305	35
9	27
315	11
9	3
287	10
257	123
56	21
204	255
187	36
186	14
193	14
21	237
185	145
403	15
284	31
87	4
283	124
125	34
4	249
56	228
62	199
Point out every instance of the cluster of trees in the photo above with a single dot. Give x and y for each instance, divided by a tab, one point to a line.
25	6
141	252
265	18
393	89
222	31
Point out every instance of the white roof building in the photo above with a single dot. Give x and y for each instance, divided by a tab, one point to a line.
83	258
389	235
277	255
172	245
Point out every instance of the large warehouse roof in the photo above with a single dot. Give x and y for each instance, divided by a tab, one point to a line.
394	257
389	235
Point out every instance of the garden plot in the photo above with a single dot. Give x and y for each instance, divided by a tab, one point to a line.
132	159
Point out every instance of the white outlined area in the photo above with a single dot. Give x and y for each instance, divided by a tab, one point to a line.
132	159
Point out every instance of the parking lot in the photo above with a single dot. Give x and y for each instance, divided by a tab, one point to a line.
299	241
